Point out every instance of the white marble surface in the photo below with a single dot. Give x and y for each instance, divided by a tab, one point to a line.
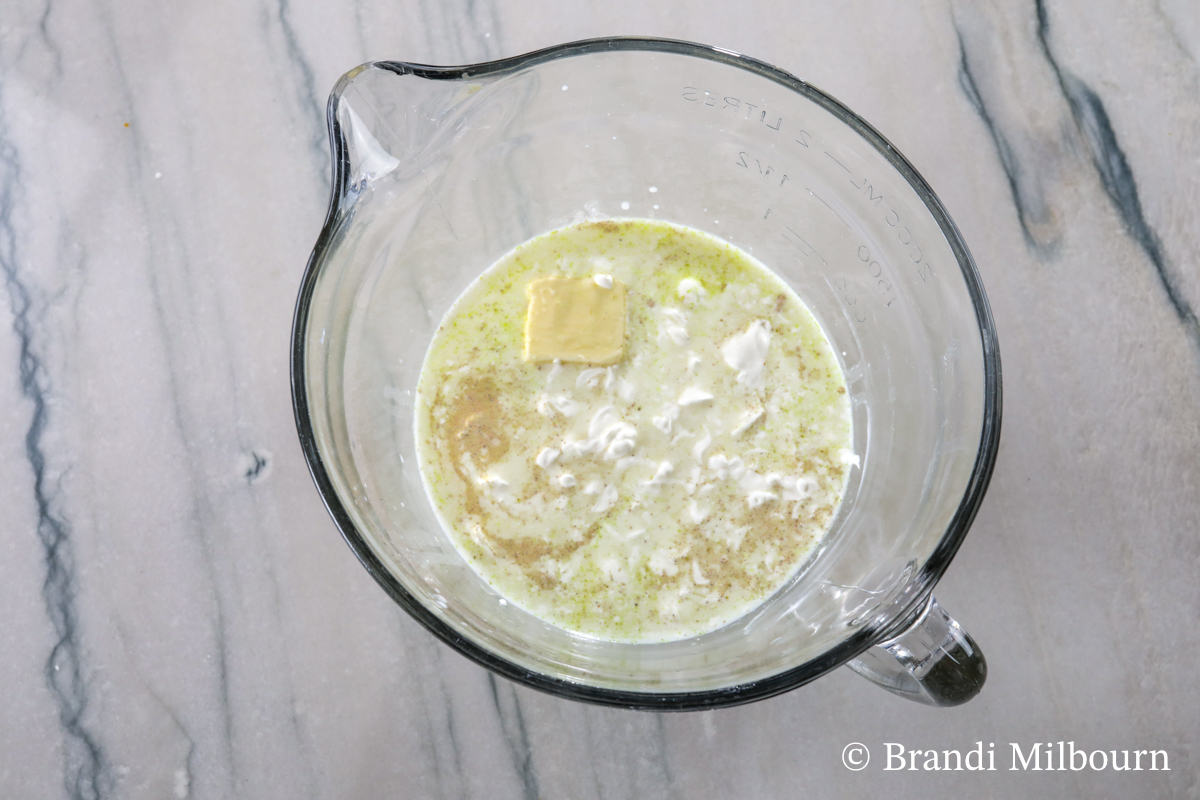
179	615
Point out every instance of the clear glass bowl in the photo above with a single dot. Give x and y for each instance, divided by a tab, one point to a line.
438	171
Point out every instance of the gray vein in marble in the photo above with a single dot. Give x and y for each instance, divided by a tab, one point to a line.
1180	39
455	751
43	26
360	36
472	26
1024	166
641	753
439	734
167	326
516	737
1020	142
668	777
87	772
311	107
1115	175
186	779
593	744
1023	195
175	287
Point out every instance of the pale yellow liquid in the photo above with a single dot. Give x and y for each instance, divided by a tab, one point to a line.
717	504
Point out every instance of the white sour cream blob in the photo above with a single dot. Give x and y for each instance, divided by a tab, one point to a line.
747	353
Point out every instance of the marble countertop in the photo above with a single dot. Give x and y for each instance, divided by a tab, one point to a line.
182	619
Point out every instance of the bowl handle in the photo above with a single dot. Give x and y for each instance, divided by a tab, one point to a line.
934	661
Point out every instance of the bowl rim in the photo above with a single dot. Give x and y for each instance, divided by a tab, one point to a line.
922	583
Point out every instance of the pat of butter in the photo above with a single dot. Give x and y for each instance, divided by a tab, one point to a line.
575	319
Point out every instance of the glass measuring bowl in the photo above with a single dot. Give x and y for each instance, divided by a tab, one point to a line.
438	171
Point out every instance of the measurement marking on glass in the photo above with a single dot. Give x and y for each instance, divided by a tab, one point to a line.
831	208
840	164
812	249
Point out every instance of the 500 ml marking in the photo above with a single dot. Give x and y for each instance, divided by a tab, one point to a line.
875	270
849	298
841	283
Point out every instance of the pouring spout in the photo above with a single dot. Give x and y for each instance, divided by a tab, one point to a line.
383	119
368	158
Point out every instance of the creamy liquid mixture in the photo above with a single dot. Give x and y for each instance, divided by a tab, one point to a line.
662	496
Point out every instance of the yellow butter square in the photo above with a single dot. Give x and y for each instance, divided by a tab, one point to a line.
575	319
